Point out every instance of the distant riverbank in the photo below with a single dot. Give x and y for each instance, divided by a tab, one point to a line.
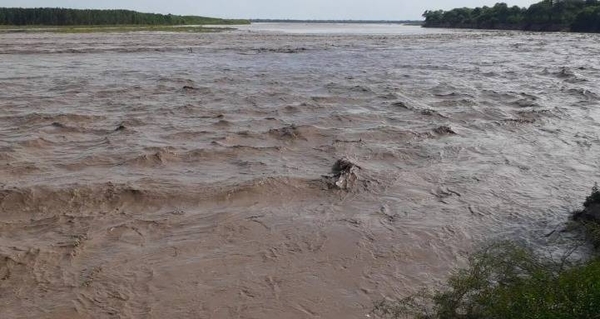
92	18
113	28
404	22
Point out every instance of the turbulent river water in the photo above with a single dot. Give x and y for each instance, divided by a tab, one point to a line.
161	175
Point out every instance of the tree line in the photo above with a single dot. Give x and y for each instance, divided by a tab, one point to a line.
547	15
62	17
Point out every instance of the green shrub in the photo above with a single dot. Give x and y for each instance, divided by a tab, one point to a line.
594	197
591	231
588	219
505	280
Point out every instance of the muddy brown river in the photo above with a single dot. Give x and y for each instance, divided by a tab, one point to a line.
176	175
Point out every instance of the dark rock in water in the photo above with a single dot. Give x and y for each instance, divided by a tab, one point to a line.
345	175
444	130
400	104
343	165
281	50
519	121
189	88
121	127
222	123
526	102
565	73
389	96
287	132
360	88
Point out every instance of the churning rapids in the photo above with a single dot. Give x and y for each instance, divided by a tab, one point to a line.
156	175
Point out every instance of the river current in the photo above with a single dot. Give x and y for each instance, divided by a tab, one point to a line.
183	175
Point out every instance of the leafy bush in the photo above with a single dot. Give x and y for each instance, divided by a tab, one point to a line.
588	219
505	280
594	198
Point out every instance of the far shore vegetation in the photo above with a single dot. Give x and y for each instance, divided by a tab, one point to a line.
74	20
113	28
547	15
508	280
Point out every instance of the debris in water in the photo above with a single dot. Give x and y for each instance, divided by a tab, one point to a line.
344	174
400	104
444	130
565	73
287	132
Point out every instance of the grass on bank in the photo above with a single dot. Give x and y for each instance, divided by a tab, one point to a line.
115	28
506	280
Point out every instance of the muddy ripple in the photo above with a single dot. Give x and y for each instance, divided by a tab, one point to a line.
139	178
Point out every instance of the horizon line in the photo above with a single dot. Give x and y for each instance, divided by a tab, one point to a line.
221	17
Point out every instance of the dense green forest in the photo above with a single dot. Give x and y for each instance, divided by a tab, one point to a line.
63	17
547	15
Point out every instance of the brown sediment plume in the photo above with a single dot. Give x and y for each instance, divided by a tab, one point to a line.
138	180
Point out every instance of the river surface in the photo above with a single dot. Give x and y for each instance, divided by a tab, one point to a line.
340	28
181	175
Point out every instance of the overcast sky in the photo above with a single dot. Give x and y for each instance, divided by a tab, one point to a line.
285	9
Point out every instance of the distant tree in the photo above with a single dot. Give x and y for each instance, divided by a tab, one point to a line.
59	17
575	15
588	20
